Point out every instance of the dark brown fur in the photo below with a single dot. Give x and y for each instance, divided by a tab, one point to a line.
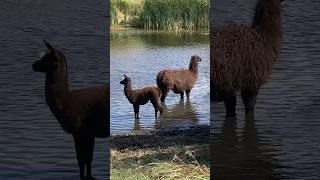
242	57
84	113
139	97
178	80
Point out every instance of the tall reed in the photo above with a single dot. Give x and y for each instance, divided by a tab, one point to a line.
161	14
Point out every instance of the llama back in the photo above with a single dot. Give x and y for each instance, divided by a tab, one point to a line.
233	66
176	79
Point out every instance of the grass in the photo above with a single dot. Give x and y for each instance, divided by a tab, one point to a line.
150	163
162	155
161	14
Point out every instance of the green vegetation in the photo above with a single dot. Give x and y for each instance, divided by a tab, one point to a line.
160	14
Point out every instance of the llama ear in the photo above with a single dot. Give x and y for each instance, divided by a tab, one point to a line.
125	76
48	46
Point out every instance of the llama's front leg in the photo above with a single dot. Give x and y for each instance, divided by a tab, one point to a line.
80	155
89	155
230	102
188	93
165	92
249	98
136	111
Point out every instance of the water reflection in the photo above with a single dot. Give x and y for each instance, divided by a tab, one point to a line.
182	113
242	153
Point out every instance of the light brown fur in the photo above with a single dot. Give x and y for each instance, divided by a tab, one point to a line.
178	80
242	57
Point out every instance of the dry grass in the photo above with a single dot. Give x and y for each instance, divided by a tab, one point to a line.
176	162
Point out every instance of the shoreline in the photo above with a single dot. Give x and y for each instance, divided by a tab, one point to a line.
164	154
119	29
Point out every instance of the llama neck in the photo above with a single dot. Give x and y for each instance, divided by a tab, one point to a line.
128	91
193	67
57	91
267	17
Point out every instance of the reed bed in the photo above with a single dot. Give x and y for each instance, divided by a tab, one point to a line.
161	14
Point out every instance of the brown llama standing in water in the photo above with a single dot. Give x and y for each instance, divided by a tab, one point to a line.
178	80
242	57
142	96
84	113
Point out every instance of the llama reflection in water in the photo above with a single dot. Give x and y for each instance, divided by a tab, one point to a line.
182	114
242	154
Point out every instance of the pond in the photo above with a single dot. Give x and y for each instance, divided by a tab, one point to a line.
141	55
32	143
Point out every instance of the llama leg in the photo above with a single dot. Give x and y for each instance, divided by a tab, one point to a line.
181	95
160	107
249	98
188	93
164	94
89	155
230	102
136	111
154	102
80	155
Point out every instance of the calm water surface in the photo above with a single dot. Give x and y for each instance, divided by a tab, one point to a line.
32	143
141	55
284	140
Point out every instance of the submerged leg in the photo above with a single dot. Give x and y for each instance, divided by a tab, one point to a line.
249	98
80	155
230	102
136	111
188	93
165	92
89	155
156	105
181	95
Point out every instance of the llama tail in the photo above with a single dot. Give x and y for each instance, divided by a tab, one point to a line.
159	79
159	92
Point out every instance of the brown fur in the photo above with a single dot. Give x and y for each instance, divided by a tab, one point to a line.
142	96
242	57
178	80
84	113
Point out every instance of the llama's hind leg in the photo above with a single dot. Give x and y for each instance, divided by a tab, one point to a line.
89	155
249	98
80	155
136	111
230	102
188	93
156	105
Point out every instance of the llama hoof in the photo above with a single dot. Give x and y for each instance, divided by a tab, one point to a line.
230	116
250	116
90	178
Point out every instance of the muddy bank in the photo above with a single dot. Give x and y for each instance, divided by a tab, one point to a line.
198	135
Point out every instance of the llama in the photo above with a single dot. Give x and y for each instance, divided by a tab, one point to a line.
178	80
84	113
242	57
139	97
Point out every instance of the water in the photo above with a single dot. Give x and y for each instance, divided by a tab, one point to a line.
141	55
32	143
283	141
